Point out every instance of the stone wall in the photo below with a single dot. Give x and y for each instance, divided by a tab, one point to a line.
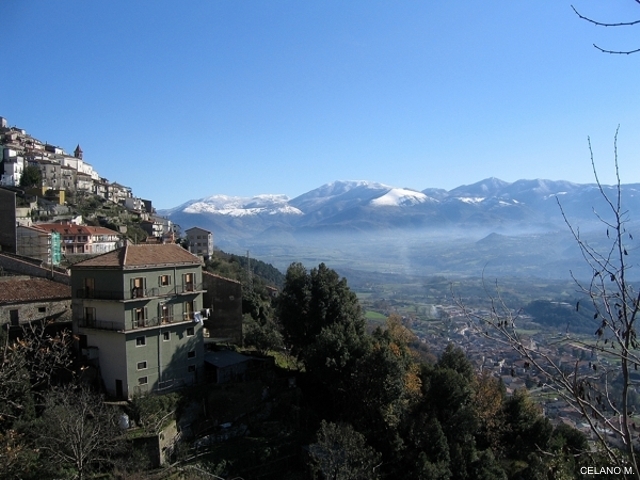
60	310
14	264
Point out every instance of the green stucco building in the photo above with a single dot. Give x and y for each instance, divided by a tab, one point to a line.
136	312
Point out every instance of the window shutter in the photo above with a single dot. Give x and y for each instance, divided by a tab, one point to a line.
160	281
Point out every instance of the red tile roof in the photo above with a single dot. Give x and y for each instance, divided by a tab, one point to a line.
34	289
141	256
69	229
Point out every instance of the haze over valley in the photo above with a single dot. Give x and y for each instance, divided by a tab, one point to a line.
492	228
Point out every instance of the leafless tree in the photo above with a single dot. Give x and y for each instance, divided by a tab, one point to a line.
610	24
614	353
28	363
79	432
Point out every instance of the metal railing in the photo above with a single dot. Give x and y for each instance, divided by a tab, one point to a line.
101	324
138	293
119	326
133	294
188	288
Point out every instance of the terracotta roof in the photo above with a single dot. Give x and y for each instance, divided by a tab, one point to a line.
140	256
70	229
34	289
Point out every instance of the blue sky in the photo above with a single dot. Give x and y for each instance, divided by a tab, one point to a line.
181	100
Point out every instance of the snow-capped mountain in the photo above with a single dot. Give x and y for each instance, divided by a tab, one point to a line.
242	206
400	197
357	223
531	201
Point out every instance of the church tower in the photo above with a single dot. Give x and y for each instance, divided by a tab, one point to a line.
78	152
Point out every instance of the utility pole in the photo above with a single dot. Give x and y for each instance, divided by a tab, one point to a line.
249	275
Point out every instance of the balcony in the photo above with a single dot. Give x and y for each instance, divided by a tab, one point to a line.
101	324
119	326
119	295
189	288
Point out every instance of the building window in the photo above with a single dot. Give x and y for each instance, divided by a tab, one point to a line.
191	354
14	315
164	280
166	312
188	282
140	317
142	365
90	315
137	287
89	287
190	332
141	341
142	381
192	368
166	336
42	309
188	309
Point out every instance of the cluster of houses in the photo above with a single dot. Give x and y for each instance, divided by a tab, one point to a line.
60	172
515	372
37	222
141	314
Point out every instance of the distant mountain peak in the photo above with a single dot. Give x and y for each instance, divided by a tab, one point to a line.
242	206
398	197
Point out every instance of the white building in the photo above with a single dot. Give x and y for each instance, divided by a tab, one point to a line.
13	168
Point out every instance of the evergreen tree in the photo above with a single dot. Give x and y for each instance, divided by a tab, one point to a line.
341	453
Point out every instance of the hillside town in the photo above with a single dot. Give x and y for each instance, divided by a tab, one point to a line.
147	317
57	265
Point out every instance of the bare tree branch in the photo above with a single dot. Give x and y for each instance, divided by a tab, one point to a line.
608	24
616	304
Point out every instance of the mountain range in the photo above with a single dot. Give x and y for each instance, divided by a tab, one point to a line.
362	224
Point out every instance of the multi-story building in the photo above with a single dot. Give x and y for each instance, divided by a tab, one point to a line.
37	243
200	241
82	239
12	167
136	311
160	228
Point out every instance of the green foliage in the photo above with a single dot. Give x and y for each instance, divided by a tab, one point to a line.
430	447
31	177
454	359
562	315
152	411
235	267
135	233
263	335
487	467
341	453
525	429
318	307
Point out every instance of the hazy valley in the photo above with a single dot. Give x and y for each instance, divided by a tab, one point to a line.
490	228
